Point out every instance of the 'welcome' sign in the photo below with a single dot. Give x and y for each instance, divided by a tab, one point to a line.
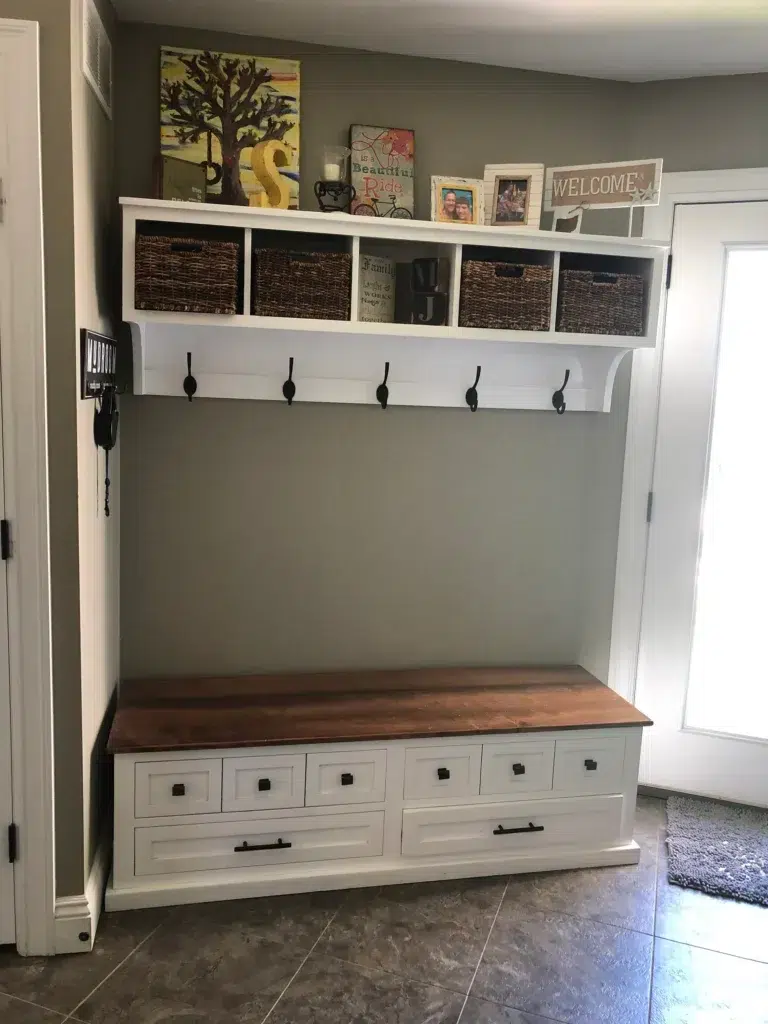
632	183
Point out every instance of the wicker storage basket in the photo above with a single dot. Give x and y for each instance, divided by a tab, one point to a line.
303	284
186	275
593	303
506	296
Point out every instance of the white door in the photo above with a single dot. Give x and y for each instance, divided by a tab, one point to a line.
702	668
7	917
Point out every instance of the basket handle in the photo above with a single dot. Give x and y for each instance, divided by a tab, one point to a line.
605	279
509	270
303	257
186	247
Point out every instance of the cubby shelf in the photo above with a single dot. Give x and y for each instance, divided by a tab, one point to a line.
245	356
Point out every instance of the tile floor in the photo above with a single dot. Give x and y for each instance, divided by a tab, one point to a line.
604	946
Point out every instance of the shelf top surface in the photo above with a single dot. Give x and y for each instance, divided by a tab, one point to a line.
341	707
387	228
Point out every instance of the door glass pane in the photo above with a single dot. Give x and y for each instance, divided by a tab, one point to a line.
728	683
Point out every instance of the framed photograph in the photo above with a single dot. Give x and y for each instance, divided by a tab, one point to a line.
458	200
513	195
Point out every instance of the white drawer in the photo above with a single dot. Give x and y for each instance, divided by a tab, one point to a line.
263	782
510	828
591	765
177	787
164	849
516	767
442	771
346	777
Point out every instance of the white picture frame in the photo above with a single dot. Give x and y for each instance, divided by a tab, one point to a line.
494	178
465	190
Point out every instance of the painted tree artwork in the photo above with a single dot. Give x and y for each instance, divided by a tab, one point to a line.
214	107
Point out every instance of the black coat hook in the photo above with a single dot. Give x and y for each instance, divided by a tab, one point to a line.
558	399
382	391
289	388
471	395
190	384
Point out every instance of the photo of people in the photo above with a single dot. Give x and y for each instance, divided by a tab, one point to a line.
457	201
511	201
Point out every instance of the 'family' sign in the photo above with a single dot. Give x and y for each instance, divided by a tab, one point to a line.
632	183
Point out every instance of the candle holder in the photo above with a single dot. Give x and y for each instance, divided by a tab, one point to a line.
332	192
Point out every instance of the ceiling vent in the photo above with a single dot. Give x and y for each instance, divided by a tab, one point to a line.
97	55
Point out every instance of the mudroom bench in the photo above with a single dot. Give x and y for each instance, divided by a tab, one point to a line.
250	786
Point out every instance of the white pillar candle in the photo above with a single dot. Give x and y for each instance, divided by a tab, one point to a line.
332	172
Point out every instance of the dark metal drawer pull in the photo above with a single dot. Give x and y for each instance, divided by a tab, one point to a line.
443	774
518	769
279	845
178	789
264	785
590	765
501	831
347	778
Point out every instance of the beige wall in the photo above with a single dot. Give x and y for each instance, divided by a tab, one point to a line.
257	537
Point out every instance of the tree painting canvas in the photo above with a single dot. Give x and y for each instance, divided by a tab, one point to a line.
214	107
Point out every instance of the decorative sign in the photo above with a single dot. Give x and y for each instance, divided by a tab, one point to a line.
381	171
377	290
632	183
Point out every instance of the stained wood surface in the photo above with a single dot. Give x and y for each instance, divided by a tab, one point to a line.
253	711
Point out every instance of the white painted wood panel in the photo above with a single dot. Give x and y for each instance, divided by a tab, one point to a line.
442	771
167	849
509	828
346	777
517	767
263	783
173	787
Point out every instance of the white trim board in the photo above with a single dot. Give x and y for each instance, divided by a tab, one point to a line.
77	917
23	372
677	188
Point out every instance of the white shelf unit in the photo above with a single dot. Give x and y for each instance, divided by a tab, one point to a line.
246	356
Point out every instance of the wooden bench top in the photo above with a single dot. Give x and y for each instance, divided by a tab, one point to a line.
342	707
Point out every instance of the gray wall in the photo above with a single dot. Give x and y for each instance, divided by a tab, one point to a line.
258	537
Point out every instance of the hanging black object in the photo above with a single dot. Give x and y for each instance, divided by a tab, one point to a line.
190	384
289	388
105	422
558	399
471	395
382	391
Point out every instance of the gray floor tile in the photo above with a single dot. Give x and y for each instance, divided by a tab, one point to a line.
61	982
327	991
480	1011
697	986
14	1011
433	932
623	896
568	968
650	817
726	926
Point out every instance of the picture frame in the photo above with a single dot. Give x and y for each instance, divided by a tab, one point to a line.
514	194
458	200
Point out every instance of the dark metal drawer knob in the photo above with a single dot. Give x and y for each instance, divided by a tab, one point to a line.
264	785
443	774
347	778
178	789
518	769
590	765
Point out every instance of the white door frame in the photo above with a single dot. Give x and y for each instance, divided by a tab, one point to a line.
642	419
25	435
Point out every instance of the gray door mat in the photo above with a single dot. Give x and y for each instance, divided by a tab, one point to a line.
718	848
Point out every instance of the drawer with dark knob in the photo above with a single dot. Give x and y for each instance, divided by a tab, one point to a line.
260	782
357	776
517	766
264	785
590	764
443	774
442	771
178	789
347	778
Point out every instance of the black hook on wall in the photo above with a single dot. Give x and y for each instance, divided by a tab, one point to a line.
190	384
558	399
382	391
289	388
471	395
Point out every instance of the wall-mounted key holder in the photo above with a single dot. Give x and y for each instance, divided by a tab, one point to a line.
98	363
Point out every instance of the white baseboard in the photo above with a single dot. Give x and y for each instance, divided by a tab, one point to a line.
77	917
244	884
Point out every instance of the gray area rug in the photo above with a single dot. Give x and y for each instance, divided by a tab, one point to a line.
718	848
